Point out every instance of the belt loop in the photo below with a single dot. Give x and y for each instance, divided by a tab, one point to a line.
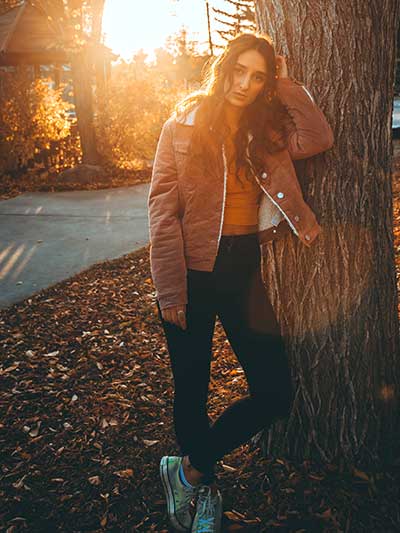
229	244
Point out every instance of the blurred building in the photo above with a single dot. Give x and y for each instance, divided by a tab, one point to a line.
31	42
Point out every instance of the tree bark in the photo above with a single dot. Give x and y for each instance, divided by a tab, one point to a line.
337	300
81	67
99	58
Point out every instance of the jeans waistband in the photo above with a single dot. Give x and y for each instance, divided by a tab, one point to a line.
227	242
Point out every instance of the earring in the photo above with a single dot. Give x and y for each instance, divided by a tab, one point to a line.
269	95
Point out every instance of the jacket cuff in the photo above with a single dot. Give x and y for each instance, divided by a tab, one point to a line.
172	300
284	88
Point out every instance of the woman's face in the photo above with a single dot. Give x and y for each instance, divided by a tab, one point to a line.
249	75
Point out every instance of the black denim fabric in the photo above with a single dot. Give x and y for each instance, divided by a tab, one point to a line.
235	292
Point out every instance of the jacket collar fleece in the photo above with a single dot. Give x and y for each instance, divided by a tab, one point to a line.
188	118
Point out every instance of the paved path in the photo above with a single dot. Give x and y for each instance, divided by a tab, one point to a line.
48	237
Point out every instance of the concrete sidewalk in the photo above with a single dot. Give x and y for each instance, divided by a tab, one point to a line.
48	237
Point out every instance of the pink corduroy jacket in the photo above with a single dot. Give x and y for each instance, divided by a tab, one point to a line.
186	211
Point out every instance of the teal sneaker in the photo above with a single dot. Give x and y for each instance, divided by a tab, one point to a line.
208	515
178	495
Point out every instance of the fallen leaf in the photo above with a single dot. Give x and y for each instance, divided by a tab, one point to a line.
360	474
228	468
150	442
124	473
35	432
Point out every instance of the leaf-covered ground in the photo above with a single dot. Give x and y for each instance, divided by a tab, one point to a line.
86	414
34	181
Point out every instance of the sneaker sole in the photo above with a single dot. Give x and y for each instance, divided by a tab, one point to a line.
164	474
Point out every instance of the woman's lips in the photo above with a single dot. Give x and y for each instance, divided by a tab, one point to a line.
239	95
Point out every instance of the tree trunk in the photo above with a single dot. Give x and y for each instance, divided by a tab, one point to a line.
337	300
99	55
81	67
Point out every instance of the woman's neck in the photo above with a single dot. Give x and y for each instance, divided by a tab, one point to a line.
232	116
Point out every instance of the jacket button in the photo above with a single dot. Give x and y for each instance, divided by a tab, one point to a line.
307	237
280	195
274	231
297	218
264	175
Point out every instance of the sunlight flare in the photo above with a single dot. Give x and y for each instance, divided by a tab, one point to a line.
130	26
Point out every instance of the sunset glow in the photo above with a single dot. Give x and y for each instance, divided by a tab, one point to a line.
129	25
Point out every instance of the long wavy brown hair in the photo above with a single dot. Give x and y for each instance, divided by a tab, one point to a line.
266	118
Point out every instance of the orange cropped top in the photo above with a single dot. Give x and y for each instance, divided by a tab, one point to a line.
242	201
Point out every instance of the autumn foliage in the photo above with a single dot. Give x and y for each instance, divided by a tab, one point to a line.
33	117
131	113
35	121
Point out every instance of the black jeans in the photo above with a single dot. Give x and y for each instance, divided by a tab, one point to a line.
235	292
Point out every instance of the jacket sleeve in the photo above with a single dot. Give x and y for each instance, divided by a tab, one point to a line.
167	260
310	133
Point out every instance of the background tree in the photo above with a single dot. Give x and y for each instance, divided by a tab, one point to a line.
242	18
187	60
141	95
79	24
338	300
210	40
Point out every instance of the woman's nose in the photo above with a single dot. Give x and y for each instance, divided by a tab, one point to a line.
244	82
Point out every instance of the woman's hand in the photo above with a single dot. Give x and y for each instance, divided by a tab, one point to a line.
281	67
176	315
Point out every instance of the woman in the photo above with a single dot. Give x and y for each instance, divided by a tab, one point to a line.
223	183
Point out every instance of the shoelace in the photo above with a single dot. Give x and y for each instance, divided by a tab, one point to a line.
206	508
206	525
188	495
